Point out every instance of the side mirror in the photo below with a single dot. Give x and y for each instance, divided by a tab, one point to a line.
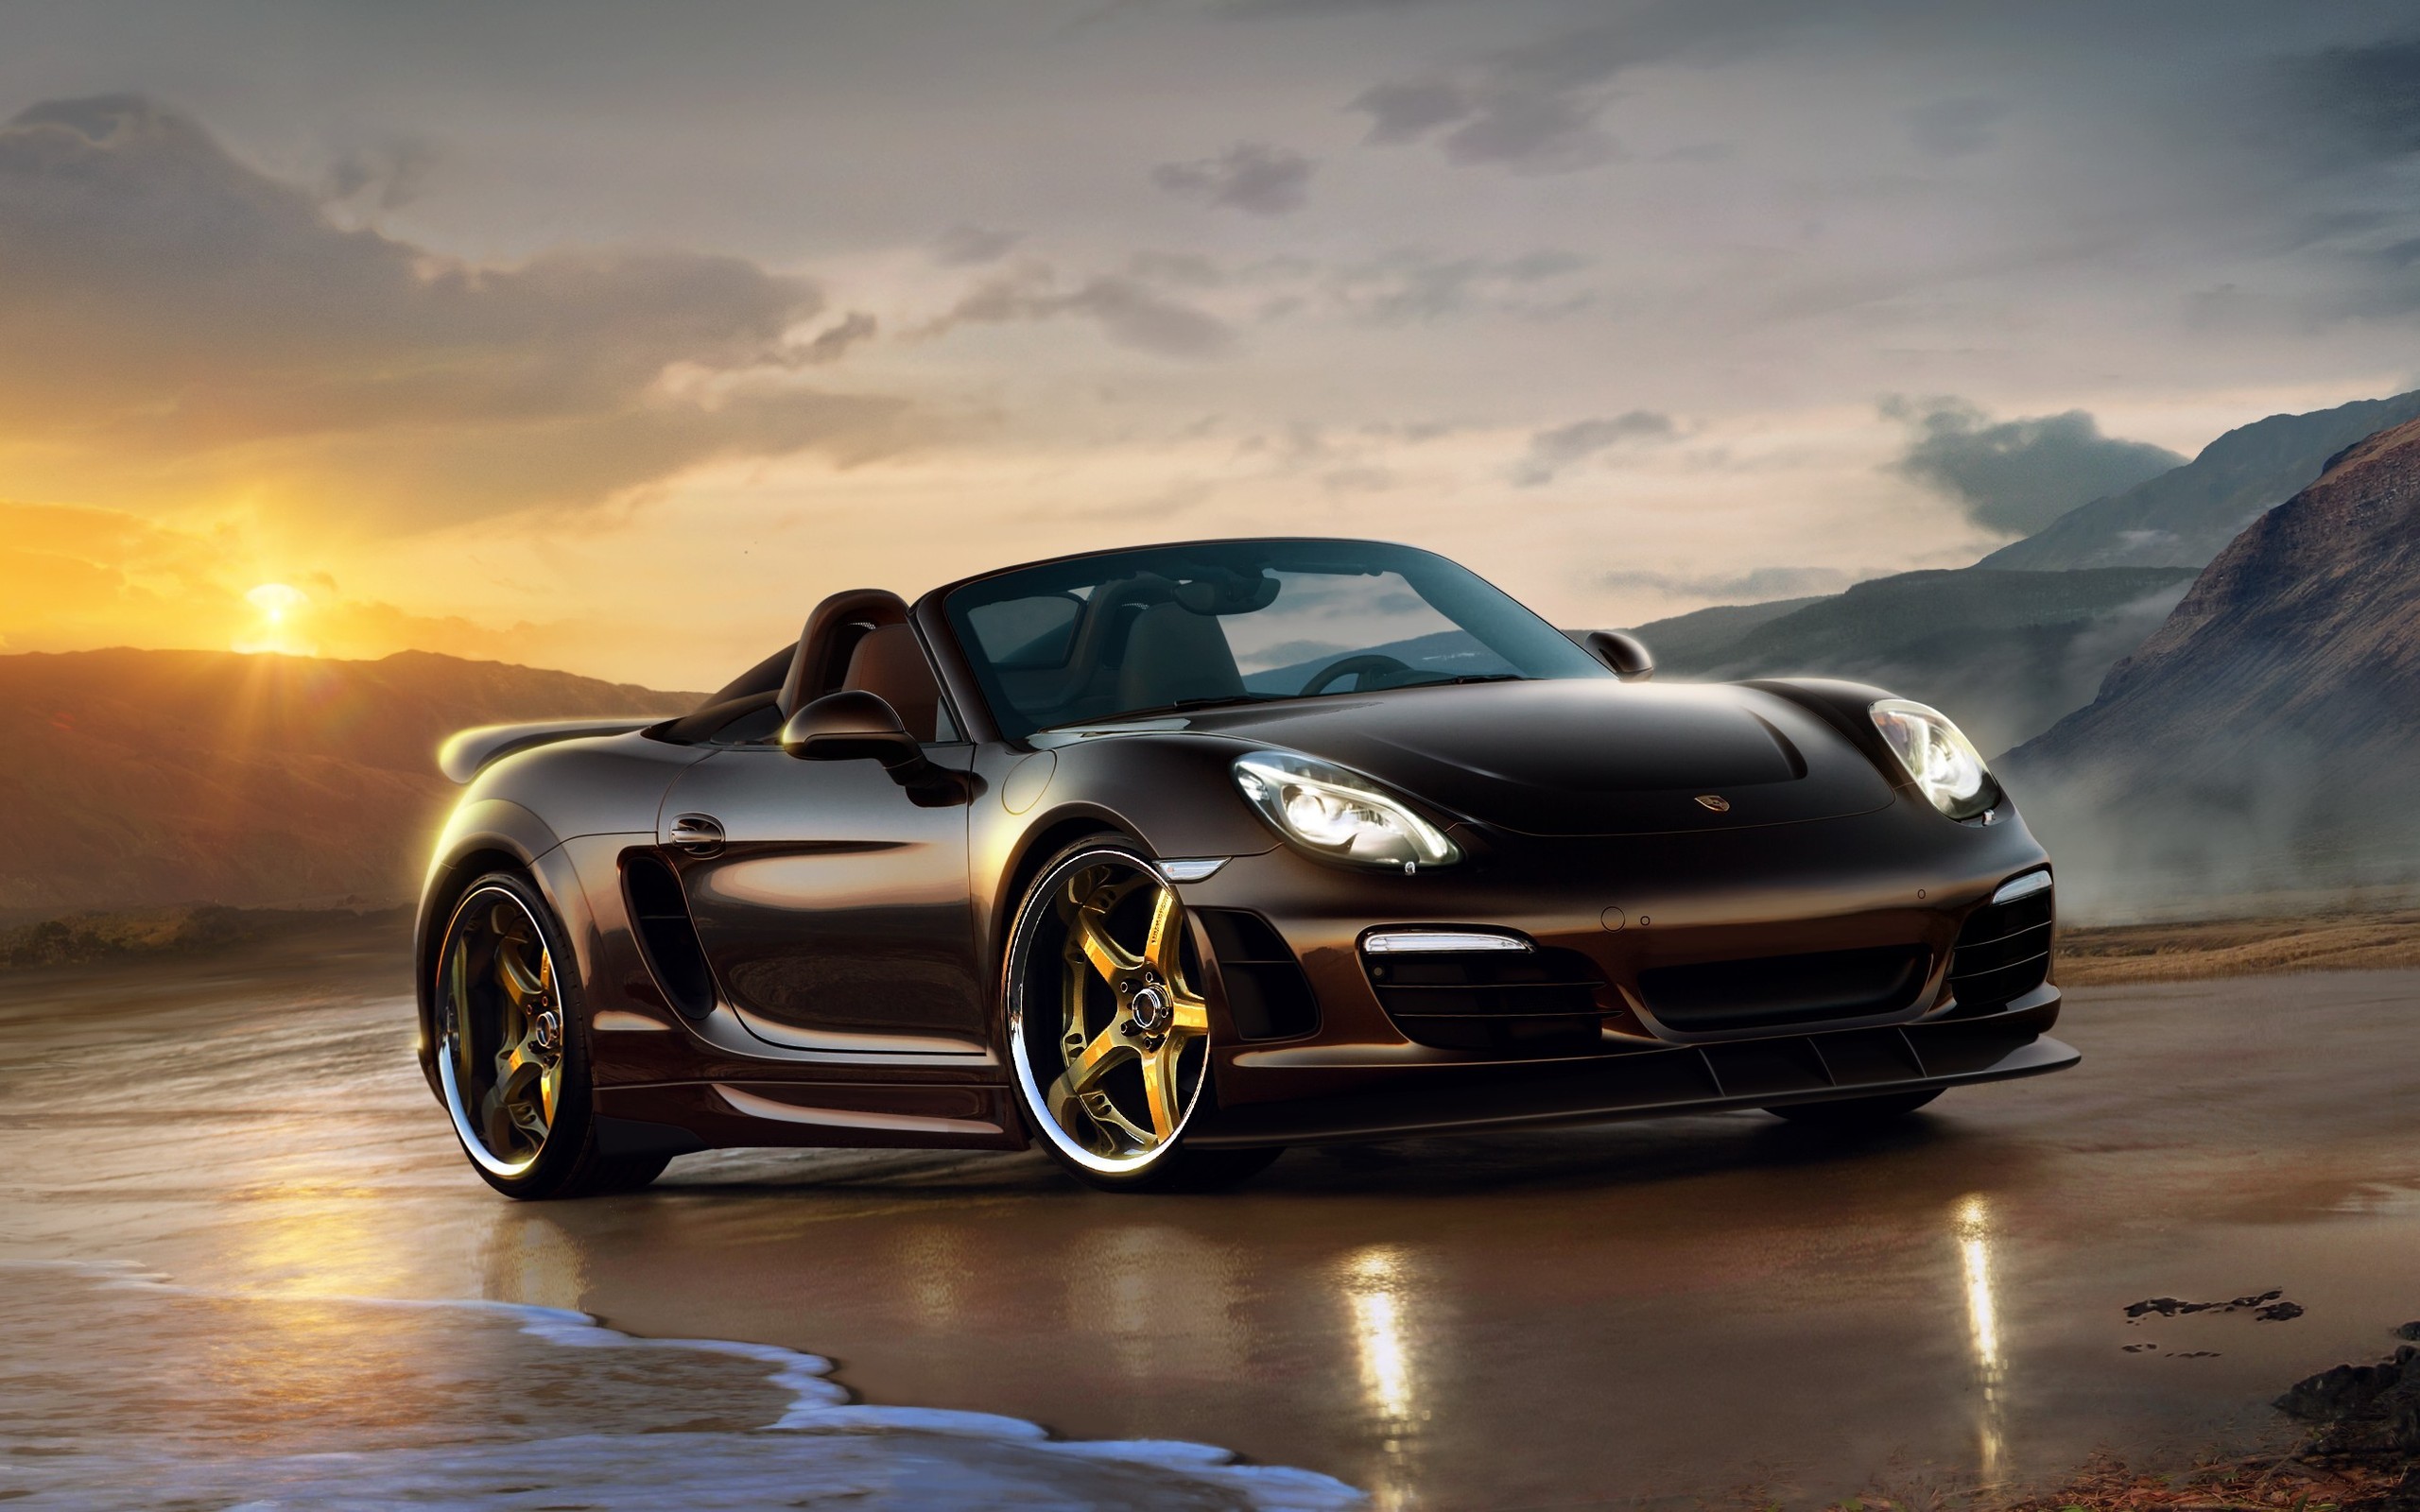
1626	654
853	726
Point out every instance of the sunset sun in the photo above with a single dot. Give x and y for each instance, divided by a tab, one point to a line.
278	622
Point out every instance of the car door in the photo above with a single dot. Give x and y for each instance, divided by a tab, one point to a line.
831	902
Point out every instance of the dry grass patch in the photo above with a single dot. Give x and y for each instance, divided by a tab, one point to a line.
2237	947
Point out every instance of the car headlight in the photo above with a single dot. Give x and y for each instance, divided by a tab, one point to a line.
1331	811
1938	756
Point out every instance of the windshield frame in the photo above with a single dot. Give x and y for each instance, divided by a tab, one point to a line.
948	607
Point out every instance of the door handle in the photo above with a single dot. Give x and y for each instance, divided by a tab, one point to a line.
700	835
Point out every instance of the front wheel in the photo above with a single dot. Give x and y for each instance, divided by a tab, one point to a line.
1108	1032
512	1049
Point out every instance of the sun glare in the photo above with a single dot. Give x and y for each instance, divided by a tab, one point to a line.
278	611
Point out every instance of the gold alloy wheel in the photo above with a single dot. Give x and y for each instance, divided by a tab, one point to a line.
502	1056
1127	1013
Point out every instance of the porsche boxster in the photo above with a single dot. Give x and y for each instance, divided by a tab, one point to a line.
1169	858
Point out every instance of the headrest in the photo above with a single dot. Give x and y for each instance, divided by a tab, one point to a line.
1173	653
888	663
822	655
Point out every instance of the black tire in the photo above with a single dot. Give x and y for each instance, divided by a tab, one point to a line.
1119	1134
477	1007
1853	1114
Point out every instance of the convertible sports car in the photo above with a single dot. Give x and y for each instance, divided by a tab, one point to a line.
1172	857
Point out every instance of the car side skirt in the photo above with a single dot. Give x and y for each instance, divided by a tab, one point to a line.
736	1114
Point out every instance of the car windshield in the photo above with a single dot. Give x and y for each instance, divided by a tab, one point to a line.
1173	628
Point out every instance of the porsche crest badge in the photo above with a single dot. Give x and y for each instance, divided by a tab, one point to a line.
1714	801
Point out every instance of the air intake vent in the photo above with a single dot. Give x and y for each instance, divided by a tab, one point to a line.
2002	954
1526	1003
1267	993
667	937
1772	990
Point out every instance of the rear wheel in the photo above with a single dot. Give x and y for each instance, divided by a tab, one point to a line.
512	1049
1849	1114
1109	1035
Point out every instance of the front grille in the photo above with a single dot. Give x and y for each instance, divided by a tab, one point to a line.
1532	1003
2002	953
1772	990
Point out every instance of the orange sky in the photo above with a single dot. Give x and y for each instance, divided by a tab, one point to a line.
619	371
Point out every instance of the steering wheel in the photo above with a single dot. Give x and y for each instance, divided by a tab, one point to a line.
1353	666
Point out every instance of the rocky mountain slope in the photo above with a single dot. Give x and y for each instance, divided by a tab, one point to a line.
2272	721
2185	517
2003	653
140	778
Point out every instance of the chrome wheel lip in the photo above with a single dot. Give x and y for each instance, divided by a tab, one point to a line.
1036	1105
472	1145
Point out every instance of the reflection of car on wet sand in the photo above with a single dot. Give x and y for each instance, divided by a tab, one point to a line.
1171	857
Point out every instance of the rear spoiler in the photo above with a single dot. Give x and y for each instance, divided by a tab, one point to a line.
467	753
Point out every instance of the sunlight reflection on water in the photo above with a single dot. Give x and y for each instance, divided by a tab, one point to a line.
1972	1227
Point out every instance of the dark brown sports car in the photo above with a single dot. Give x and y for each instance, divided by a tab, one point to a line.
1171	857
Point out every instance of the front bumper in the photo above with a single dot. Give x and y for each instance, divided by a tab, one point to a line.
1423	1098
1631	906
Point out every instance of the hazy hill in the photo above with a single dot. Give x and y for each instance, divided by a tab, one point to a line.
137	777
2003	653
2266	734
2185	517
1704	638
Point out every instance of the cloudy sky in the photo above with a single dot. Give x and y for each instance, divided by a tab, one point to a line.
610	336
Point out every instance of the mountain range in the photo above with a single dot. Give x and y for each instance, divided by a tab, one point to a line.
2024	637
143	777
2186	516
2004	653
2263	736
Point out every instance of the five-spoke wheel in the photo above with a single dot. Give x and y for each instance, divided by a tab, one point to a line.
509	1052
1108	1029
501	1031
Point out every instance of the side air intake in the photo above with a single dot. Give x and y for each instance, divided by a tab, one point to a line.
2002	953
667	937
1268	995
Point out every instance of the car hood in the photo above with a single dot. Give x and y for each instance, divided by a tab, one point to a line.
1569	757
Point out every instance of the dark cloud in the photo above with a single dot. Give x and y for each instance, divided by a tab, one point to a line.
1249	177
166	307
965	246
1411	287
1552	451
2372	93
1129	311
1534	133
2018	475
1406	111
831	344
1956	128
1755	586
389	176
1534	108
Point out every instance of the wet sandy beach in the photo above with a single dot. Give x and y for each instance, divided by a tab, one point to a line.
1716	1309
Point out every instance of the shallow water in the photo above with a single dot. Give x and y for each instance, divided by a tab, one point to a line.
1696	1309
